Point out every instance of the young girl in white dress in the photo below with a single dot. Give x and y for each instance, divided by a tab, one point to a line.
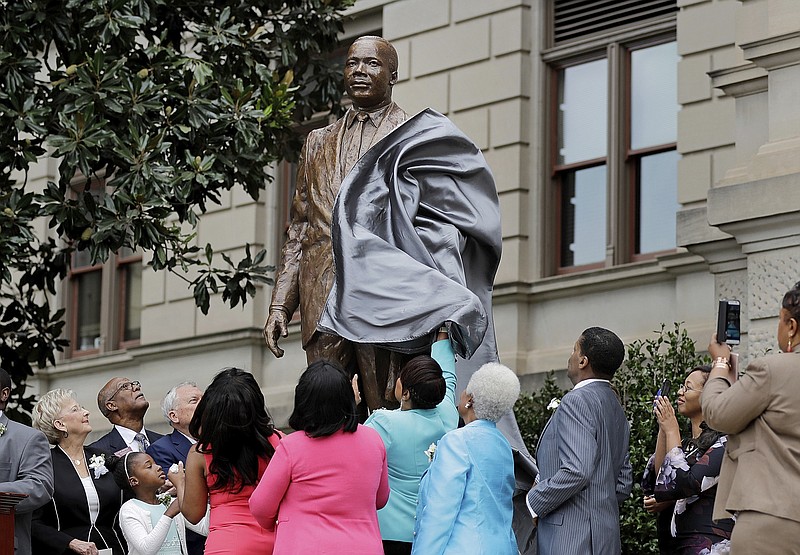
151	527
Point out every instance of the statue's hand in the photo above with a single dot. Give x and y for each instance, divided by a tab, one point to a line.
277	326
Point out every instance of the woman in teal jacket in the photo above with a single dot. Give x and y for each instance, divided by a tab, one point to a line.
426	391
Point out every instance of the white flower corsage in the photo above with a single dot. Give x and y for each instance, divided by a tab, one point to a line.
553	404
164	498
430	451
2	429
98	464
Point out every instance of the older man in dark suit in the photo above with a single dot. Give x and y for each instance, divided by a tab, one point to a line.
25	467
178	408
584	470
123	403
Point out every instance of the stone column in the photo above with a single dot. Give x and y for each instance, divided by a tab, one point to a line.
756	205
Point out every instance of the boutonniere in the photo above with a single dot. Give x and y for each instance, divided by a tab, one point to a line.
164	498
2	429
98	464
430	451
553	404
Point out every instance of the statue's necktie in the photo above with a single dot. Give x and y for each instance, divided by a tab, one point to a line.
361	117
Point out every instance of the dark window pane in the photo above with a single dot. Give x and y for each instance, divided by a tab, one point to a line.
133	301
654	96
658	202
582	106
89	286
583	217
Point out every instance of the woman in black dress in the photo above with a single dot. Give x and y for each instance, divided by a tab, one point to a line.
680	481
81	518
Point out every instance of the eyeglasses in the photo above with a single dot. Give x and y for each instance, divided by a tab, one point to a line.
686	388
125	385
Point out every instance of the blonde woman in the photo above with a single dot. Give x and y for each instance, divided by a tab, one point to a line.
81	516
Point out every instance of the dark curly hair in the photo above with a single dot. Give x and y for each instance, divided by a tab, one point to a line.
604	349
231	423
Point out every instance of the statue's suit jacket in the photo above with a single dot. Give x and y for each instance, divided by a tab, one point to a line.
305	274
25	467
760	413
584	474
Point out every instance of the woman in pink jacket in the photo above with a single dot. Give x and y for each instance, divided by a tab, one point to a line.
326	481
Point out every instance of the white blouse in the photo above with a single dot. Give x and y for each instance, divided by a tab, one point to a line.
91	498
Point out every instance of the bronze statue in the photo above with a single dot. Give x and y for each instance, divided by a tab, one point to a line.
305	273
395	230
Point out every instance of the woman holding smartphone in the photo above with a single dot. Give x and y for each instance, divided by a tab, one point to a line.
680	480
761	414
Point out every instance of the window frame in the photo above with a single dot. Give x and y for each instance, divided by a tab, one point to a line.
113	301
121	263
622	175
74	350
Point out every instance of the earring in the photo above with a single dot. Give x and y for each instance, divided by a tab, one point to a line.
789	347
467	405
66	434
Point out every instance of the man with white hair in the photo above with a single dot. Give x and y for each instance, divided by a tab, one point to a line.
178	408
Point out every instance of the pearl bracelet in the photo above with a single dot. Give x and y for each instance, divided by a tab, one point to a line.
721	361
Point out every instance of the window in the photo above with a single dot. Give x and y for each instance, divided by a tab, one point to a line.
86	285
129	278
614	157
103	301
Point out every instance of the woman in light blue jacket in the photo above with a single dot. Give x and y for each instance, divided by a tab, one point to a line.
465	497
426	392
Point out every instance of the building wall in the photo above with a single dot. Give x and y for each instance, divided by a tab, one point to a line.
481	63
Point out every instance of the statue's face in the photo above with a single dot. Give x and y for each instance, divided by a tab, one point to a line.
368	78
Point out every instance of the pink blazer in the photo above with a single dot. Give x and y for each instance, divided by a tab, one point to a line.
324	493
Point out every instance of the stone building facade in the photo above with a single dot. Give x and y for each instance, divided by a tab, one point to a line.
646	160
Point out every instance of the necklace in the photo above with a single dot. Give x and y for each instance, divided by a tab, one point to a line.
76	462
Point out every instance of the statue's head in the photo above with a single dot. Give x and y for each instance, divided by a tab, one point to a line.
370	72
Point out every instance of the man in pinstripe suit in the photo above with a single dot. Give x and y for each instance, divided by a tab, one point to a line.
584	471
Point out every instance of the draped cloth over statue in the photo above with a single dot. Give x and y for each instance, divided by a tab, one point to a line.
416	242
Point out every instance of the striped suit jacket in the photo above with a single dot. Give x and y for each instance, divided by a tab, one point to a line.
584	474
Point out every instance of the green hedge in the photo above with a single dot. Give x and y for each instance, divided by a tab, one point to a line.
669	354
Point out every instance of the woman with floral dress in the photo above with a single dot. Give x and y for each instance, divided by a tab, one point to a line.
683	489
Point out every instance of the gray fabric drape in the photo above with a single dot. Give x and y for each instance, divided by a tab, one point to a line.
416	242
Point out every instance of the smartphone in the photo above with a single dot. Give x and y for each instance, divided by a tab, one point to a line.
663	391
728	322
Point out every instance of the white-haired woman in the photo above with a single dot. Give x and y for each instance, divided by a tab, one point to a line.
465	497
81	516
